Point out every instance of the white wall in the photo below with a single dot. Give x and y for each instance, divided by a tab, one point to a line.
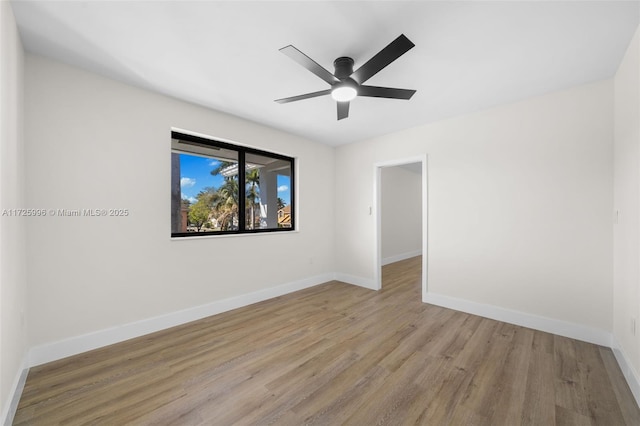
519	205
13	292
626	288
401	213
96	143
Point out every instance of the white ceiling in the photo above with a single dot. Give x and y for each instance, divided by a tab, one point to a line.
224	55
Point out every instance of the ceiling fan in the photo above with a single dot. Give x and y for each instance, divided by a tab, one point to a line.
346	83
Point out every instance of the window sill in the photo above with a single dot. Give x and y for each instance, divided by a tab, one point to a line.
245	234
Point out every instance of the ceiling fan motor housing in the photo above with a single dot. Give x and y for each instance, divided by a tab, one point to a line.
344	67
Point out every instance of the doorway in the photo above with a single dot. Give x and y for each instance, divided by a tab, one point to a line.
400	196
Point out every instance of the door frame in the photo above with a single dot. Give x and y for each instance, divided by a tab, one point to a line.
377	198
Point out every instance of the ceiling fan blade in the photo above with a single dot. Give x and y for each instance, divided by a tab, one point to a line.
343	110
385	92
305	96
309	64
393	51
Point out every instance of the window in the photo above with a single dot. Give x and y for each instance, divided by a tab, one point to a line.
221	188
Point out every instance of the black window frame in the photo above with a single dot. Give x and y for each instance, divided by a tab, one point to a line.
242	151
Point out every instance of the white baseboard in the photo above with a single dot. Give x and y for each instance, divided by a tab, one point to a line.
11	404
399	257
630	374
352	279
549	325
78	344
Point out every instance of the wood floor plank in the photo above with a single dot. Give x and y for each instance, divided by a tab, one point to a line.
288	393
336	354
482	396
539	397
570	390
629	408
512	378
444	386
344	395
399	393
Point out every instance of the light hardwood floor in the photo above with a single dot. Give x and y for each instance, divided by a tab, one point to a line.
336	354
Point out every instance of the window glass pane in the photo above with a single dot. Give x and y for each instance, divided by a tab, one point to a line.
220	187
268	192
208	191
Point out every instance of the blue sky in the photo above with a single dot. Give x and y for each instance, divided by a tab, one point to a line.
195	175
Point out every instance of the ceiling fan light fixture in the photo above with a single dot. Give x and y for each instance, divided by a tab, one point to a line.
344	93
346	83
